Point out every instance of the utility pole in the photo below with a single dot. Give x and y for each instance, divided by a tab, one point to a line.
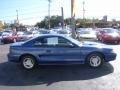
83	10
62	17
73	18
93	20
49	13
17	17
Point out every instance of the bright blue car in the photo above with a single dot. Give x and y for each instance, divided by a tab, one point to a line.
59	50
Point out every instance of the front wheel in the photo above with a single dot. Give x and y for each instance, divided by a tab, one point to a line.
95	60
28	62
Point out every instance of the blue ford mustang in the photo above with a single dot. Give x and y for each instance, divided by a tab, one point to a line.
59	50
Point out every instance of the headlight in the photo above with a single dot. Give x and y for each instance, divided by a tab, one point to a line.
113	51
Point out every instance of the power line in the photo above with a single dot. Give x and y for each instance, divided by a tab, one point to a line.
31	18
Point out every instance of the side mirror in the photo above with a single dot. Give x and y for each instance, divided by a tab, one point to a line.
71	45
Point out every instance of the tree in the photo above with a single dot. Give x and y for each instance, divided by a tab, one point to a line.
1	25
67	21
55	21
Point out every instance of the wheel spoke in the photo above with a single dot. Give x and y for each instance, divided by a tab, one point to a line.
28	63
95	61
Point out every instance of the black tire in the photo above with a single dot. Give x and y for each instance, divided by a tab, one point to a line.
94	60
116	42
27	60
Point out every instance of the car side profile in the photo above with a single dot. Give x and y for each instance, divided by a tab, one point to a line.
59	50
87	34
9	38
108	35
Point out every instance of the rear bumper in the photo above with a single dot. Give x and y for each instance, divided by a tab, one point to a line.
13	58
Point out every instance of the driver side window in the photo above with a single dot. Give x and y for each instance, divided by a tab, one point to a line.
64	42
40	42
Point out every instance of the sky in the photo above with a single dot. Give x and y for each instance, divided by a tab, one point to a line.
32	11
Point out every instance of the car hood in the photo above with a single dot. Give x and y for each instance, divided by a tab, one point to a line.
17	44
95	44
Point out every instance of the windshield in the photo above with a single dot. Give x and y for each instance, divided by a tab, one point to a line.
74	41
110	30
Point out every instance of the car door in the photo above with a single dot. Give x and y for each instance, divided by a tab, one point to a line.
56	49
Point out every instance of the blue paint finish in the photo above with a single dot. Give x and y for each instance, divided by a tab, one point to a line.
57	54
13	58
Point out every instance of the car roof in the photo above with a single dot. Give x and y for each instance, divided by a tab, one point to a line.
52	35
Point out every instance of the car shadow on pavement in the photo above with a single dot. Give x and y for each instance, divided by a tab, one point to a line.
14	75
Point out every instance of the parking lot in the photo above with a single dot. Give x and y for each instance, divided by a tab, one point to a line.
75	77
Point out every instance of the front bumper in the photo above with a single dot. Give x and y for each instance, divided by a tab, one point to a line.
13	58
112	39
110	57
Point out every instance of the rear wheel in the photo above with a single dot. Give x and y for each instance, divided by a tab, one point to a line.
28	62
95	60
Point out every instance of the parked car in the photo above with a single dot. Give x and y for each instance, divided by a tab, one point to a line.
64	32
6	33
41	32
9	38
25	36
44	32
87	34
19	35
59	49
0	36
108	35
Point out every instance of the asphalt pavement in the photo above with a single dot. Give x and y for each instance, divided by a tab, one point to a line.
75	77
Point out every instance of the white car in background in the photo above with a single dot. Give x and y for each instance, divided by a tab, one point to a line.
24	36
87	34
64	32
